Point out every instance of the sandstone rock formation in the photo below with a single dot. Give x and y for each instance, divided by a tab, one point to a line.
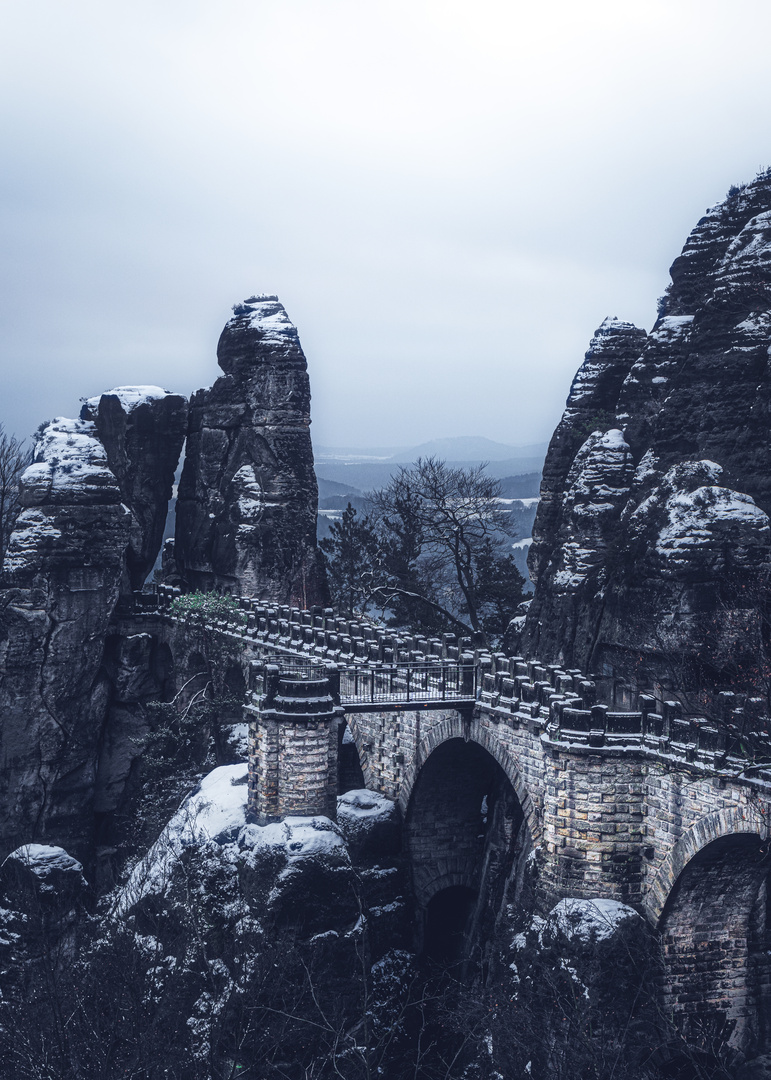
652	546
62	575
94	505
142	429
279	902
246	514
75	674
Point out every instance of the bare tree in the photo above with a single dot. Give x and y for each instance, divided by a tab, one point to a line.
445	538
14	459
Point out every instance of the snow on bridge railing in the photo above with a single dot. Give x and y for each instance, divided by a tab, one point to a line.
565	700
372	684
569	715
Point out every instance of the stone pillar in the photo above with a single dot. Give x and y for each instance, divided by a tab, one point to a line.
292	747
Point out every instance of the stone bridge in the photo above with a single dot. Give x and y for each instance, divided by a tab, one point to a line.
664	813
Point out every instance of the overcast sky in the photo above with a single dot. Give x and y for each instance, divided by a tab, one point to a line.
447	197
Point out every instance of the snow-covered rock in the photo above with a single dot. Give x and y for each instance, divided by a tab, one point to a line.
142	429
371	825
215	811
129	397
70	467
623	577
246	512
298	868
264	315
47	863
45	883
590	920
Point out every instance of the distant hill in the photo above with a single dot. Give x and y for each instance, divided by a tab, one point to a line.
340	475
527	486
471	448
329	489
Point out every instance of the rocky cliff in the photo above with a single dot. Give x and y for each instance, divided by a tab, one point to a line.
62	574
142	429
246	514
82	534
652	545
75	673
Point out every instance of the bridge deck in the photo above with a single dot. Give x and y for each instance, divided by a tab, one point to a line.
460	704
380	670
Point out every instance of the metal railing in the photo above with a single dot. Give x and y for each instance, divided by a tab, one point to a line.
414	682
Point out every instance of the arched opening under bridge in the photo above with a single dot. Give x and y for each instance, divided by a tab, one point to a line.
716	939
463	834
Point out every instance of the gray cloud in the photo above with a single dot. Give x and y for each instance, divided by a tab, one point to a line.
448	200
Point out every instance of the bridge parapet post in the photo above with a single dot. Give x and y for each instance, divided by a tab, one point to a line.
468	674
586	689
332	674
671	712
543	689
598	724
525	689
293	741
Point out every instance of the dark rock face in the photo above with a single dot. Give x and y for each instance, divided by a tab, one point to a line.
371	825
246	514
62	575
44	899
94	506
142	429
657	483
590	404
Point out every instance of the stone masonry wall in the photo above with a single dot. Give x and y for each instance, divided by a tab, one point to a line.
290	765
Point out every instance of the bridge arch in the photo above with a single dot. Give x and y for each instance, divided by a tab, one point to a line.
727	822
465	833
714	925
456	726
350	759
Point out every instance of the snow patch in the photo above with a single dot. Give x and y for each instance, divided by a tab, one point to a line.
756	323
587	919
671	327
646	468
363	804
751	245
129	397
32	533
215	811
298	837
695	517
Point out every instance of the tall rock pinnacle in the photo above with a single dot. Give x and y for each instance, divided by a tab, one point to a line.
652	545
246	512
